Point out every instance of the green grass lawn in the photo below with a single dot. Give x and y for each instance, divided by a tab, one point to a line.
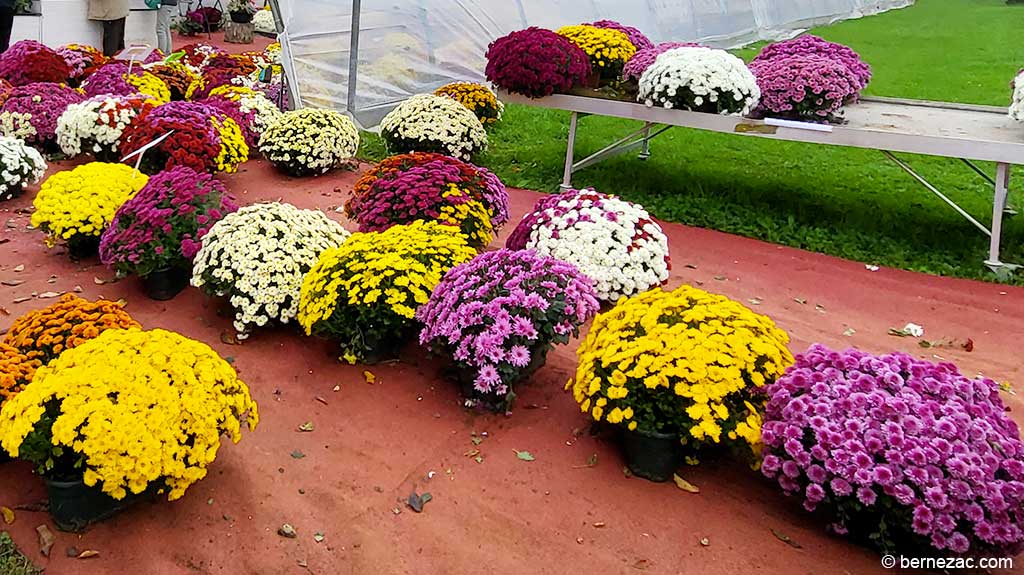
846	202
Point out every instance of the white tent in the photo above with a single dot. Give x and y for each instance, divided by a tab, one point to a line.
406	47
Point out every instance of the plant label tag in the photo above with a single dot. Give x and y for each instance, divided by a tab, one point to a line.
142	151
798	125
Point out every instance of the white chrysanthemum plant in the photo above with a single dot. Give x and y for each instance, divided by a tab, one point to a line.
1017	105
266	111
429	123
699	79
256	259
310	141
263	22
95	125
614	242
20	165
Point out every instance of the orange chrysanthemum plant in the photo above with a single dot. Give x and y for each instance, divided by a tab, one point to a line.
43	334
15	371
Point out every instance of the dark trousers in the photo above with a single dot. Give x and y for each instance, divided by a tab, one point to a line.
6	23
113	36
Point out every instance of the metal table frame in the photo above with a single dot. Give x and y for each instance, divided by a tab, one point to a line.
960	131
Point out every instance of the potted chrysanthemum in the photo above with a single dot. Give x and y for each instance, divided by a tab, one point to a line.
156	234
75	206
20	165
677	372
102	434
497	316
256	258
241	11
364	293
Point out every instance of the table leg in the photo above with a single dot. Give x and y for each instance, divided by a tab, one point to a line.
570	152
1001	189
645	151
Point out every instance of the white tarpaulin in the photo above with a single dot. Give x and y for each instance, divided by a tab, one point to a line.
408	47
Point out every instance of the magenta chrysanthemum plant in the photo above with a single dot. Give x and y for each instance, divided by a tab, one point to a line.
643	59
497	316
30	62
431	187
908	454
536	62
109	79
636	37
244	118
811	45
163	225
31	112
803	87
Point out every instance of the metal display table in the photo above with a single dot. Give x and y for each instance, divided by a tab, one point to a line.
960	131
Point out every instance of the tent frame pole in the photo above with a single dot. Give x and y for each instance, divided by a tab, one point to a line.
353	58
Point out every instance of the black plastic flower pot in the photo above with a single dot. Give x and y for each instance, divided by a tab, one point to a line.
5	457
241	17
83	247
651	455
163	285
75	506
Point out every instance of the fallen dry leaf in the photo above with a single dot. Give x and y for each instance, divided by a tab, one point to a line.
50	294
968	345
369	377
46	539
641	564
52	280
19	268
321	400
704	541
8	514
21	299
685	485
800	300
98	281
4	311
12	283
849	332
307	427
229	338
88	553
786	539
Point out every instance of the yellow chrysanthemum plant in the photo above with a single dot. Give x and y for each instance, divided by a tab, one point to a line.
365	293
128	412
608	49
684	362
477	98
75	206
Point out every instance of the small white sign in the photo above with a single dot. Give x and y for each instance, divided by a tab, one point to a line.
798	125
143	150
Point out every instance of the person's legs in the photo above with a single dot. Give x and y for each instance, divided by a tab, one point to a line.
163	28
118	29
109	38
6	23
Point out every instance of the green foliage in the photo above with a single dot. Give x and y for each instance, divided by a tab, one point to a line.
12	561
845	202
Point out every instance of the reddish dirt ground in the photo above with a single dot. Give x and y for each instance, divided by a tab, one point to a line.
374	444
